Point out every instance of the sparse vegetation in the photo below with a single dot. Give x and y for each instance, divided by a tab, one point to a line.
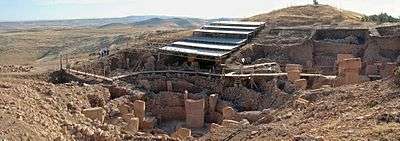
315	2
381	18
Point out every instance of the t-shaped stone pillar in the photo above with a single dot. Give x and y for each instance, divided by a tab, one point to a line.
194	113
339	59
212	102
349	70
133	124
169	86
293	72
139	108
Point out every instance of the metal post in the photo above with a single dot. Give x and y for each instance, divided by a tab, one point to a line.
67	62
61	62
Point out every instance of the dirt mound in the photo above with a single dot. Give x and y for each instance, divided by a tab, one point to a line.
308	15
355	112
36	110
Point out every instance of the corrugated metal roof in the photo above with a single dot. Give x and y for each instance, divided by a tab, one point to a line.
224	31
206	46
196	51
238	23
217	40
241	28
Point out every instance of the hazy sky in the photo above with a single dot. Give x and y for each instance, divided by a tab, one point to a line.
17	10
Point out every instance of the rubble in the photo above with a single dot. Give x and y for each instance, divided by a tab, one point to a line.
97	113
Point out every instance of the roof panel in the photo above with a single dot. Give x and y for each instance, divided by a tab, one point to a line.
238	23
206	46
196	51
230	27
217	40
224	31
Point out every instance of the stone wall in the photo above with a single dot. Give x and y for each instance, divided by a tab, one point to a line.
301	53
382	49
325	54
389	30
341	33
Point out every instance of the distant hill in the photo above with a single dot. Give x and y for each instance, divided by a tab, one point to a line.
77	22
309	15
171	23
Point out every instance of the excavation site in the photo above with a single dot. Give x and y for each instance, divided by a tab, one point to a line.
302	73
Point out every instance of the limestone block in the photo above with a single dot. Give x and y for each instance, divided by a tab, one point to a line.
229	123
194	113
182	133
139	108
301	84
97	113
124	109
212	101
221	104
290	67
133	124
229	113
148	123
293	75
251	116
169	86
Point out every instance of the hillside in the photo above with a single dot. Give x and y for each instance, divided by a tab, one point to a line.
160	23
354	112
41	48
308	15
73	23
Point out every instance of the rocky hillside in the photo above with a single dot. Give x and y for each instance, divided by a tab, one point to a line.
309	15
355	112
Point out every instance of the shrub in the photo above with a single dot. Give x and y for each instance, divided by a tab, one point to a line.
315	2
397	76
381	18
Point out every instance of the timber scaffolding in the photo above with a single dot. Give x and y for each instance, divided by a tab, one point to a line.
214	42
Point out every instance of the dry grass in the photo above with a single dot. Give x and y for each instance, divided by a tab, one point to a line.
309	15
41	48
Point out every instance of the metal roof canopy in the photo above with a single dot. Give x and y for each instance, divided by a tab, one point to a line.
223	32
234	28
239	23
230	41
205	46
196	51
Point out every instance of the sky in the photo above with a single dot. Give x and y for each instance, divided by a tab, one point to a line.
27	10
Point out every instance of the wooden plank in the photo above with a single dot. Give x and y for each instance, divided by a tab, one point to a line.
89	74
